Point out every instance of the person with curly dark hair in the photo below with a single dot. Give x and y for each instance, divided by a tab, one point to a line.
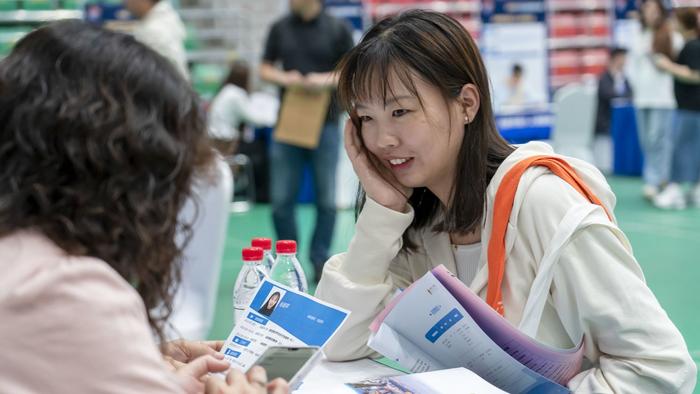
100	140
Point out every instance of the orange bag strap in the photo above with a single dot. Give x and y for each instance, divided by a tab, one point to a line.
502	208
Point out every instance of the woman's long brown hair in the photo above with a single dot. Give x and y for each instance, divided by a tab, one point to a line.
662	39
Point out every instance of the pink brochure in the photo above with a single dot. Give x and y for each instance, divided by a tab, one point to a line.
559	365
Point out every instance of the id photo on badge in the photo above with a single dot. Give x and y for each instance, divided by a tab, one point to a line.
271	301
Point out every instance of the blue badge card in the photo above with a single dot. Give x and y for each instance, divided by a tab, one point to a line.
281	316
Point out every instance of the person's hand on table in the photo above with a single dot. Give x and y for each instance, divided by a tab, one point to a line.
254	382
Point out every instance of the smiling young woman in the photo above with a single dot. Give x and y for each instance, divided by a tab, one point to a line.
440	186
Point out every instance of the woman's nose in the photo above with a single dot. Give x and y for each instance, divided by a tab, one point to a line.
387	139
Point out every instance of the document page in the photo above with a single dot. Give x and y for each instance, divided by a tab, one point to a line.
559	365
280	316
432	321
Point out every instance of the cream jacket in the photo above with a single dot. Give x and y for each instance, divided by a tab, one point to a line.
598	289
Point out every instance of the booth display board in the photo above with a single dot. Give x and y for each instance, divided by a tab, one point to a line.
514	46
352	11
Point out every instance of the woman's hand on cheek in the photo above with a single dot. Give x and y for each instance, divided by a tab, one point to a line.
377	180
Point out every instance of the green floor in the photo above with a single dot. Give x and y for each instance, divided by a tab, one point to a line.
666	244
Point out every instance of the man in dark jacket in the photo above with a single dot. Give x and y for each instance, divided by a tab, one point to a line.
612	85
302	50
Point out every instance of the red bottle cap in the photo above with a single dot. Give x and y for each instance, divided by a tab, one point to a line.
252	254
264	243
286	246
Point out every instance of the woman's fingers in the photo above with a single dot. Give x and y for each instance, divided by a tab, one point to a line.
186	351
253	382
257	377
215	345
351	140
278	386
215	386
235	377
191	376
174	364
202	366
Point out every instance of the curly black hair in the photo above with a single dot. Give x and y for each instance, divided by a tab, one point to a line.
100	138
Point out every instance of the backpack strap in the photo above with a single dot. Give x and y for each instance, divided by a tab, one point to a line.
503	206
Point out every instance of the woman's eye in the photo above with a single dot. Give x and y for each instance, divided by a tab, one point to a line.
364	119
399	112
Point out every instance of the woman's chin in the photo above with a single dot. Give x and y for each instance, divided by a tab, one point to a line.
409	183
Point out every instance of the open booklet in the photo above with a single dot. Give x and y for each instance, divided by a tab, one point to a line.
280	316
439	323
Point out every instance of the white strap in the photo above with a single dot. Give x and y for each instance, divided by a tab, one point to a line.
539	291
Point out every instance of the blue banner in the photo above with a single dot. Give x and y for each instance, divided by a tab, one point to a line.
625	8
512	11
352	12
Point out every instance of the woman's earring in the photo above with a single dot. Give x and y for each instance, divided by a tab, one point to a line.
466	119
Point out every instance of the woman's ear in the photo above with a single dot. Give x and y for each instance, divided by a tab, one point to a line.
469	101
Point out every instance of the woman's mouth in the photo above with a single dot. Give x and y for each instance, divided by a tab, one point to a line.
398	164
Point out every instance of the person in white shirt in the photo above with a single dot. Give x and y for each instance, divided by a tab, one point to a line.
161	28
441	186
232	106
685	164
653	93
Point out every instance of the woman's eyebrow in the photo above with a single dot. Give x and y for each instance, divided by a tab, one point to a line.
388	102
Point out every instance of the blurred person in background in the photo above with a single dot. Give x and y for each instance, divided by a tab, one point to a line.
160	27
612	86
95	171
653	93
517	94
685	164
232	107
307	43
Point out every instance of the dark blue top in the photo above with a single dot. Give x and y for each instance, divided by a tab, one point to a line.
309	46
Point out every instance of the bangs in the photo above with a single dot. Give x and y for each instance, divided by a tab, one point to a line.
371	73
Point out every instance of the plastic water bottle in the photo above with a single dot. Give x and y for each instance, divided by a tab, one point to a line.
250	276
287	269
266	245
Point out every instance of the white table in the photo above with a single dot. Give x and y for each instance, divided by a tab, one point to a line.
330	377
